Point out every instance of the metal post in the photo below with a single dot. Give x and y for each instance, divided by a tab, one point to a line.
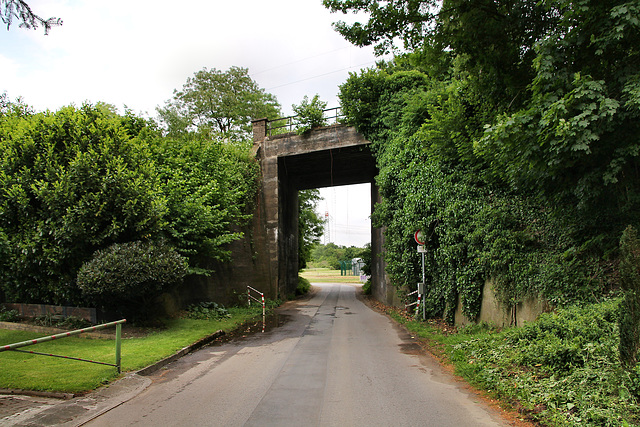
424	291
118	346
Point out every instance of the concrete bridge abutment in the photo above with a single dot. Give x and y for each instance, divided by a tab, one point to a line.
323	157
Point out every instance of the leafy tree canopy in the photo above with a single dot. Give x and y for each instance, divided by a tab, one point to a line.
218	104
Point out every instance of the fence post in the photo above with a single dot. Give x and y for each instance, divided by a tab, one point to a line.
118	347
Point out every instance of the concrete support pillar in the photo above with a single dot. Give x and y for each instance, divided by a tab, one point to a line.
271	192
259	129
381	289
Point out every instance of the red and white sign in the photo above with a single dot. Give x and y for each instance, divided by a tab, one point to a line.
419	237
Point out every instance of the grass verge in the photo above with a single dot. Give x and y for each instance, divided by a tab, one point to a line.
34	372
325	275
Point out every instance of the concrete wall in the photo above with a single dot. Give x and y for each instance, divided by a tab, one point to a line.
492	311
381	289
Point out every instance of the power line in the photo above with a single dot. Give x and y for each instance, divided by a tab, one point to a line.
321	75
299	60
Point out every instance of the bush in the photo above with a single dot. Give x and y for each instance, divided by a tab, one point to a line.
563	369
310	114
366	288
71	182
8	315
127	277
303	286
207	310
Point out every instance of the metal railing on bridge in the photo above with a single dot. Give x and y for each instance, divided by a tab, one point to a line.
291	123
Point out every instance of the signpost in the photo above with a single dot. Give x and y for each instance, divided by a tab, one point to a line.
420	239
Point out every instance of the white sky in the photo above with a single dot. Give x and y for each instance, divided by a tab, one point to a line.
134	53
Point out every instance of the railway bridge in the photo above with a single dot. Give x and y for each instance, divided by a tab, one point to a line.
322	157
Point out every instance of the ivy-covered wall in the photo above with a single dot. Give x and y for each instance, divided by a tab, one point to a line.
440	173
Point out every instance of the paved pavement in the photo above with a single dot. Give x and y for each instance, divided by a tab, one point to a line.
34	411
334	362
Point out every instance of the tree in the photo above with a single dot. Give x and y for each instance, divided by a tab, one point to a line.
218	104
310	114
10	9
407	20
511	130
209	189
310	225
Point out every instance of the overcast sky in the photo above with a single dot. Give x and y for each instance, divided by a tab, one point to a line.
134	53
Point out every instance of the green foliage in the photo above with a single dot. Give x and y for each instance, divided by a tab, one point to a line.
330	255
8	315
82	179
219	105
510	134
207	310
404	19
126	278
563	369
71	182
366	288
209	188
310	114
630	305
304	286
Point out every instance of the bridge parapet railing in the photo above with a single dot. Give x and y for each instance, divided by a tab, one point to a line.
290	124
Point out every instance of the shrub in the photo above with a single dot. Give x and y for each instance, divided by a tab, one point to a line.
8	315
310	114
366	288
127	277
207	310
303	286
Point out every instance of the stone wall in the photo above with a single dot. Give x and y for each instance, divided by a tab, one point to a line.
38	310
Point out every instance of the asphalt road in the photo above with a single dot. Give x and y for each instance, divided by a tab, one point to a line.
334	362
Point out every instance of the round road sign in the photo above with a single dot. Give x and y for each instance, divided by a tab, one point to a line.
419	237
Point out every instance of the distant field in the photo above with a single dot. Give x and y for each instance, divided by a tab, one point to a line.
324	275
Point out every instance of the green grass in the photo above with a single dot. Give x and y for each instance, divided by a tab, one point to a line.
325	275
35	372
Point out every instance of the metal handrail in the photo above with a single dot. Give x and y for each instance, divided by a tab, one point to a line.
251	297
291	120
117	323
416	303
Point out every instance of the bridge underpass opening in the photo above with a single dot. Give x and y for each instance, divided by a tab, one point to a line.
347	213
328	167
